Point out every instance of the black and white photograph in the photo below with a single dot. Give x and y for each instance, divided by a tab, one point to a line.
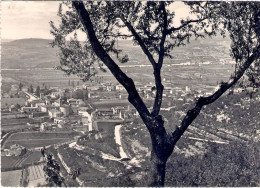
130	93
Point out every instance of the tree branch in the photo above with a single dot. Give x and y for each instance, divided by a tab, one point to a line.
122	78
173	29
202	101
157	70
164	34
139	40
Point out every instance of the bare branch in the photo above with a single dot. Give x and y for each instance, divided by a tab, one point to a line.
118	35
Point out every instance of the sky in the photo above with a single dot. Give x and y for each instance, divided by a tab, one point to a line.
30	19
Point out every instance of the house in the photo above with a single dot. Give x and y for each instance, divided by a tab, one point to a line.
55	95
29	109
39	114
123	96
118	109
45	126
119	87
104	112
54	113
87	118
46	108
38	103
65	109
60	121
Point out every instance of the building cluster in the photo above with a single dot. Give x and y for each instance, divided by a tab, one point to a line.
52	111
109	90
14	150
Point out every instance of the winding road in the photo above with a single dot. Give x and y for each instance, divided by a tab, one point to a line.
122	153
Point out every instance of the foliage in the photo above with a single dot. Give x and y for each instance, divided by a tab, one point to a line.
20	86
30	89
151	26
235	164
52	170
80	94
38	91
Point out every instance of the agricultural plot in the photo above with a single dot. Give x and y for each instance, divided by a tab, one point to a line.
33	143
8	161
11	178
33	157
37	135
19	161
37	139
9	124
36	176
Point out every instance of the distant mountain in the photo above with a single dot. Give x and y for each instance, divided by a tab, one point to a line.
28	53
6	40
38	53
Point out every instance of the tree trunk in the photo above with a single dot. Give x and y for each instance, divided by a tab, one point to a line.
158	167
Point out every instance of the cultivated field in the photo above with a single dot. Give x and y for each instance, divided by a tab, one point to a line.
8	124
19	161
37	139
36	176
11	178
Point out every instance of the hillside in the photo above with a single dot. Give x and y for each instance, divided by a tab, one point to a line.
28	53
38	53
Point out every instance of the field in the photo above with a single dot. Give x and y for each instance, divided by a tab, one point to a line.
36	176
8	124
19	161
10	101
8	162
37	139
197	54
11	178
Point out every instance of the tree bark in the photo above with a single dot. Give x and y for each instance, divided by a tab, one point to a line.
157	171
162	149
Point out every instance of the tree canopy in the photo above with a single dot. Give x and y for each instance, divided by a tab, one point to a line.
151	25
